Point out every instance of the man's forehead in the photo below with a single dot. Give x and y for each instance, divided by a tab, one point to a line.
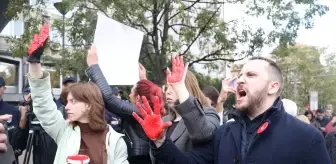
255	66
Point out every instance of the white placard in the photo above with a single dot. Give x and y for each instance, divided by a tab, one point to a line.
118	48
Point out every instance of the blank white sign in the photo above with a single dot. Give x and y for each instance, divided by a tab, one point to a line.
118	48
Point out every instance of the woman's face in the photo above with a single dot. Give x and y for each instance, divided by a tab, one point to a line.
76	110
132	95
170	95
309	116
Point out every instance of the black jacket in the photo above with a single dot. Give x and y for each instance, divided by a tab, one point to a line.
44	147
330	140
136	140
286	140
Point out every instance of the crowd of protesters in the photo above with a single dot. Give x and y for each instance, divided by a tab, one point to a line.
176	123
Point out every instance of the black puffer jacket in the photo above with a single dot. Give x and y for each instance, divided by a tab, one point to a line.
135	138
330	140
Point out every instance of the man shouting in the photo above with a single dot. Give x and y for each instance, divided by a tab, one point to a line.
261	131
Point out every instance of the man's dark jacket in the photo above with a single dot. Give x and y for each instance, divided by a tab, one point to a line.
286	140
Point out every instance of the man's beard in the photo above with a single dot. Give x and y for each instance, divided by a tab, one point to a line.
255	101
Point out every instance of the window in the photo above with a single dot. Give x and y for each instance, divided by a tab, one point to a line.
14	28
18	27
10	73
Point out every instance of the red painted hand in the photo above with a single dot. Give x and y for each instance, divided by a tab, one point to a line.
179	70
152	123
36	48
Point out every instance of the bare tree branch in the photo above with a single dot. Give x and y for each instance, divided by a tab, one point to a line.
206	58
175	31
214	3
181	24
136	24
144	7
165	10
187	8
201	31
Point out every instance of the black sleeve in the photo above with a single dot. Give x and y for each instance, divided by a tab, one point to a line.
317	152
123	109
19	138
168	153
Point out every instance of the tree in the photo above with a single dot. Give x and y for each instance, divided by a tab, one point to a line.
303	72
191	24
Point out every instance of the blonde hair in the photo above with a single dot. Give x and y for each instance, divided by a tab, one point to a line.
191	83
193	88
303	118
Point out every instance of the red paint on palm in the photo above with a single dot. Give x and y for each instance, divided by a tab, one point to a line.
39	39
178	70
152	123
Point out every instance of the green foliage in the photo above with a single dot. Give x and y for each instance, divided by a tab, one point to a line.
208	81
170	26
301	65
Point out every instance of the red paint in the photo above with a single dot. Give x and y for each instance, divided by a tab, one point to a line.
39	39
78	158
262	128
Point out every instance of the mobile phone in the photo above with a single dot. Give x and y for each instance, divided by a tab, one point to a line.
233	83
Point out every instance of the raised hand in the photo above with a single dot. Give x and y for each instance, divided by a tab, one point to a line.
142	72
228	87
152	123
37	45
179	70
92	57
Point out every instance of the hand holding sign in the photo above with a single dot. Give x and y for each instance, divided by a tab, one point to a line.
152	123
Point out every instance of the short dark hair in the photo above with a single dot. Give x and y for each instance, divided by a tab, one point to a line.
212	93
274	70
319	110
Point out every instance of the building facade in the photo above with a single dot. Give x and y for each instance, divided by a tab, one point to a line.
13	70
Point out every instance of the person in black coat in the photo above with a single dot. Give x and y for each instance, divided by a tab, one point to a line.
260	132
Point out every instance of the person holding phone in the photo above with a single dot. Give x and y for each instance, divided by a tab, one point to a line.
262	131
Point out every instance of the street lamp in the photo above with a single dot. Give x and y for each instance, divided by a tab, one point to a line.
63	7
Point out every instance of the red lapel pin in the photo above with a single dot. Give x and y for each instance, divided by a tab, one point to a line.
262	128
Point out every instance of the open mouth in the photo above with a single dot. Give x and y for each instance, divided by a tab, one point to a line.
241	93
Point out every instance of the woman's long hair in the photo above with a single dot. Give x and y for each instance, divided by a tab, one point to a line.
90	94
191	83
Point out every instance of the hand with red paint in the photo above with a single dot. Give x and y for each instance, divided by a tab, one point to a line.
37	45
178	72
176	78
152	123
